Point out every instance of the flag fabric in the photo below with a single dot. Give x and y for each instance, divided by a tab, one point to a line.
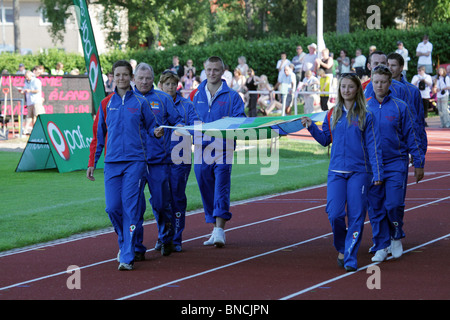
248	128
91	57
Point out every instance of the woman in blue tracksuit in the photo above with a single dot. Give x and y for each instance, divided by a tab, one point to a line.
181	155
121	127
395	126
356	161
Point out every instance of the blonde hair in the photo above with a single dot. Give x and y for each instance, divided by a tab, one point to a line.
359	109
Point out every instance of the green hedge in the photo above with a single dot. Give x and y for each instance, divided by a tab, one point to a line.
262	55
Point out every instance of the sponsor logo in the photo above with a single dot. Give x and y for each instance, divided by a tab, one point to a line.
58	141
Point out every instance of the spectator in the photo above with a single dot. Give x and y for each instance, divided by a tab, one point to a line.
266	100
309	61
110	85
423	81
58	70
405	54
343	62
189	82
189	66
423	51
281	64
227	75
297	61
360	63
251	85
442	86
176	67
21	69
33	99
310	84
325	83
242	65
238	82
287	86
133	64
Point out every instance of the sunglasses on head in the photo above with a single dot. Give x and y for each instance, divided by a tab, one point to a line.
381	67
169	71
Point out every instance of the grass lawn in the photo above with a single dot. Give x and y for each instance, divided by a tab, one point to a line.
46	205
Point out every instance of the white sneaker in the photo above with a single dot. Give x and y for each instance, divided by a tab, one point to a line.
125	266
396	248
210	241
380	255
219	237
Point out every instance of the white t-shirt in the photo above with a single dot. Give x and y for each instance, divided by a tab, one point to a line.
426	92
423	48
442	83
33	84
308	62
281	64
404	53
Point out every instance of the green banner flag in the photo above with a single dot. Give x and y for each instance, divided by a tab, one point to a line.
90	53
59	141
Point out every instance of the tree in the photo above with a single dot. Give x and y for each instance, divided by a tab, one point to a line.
343	16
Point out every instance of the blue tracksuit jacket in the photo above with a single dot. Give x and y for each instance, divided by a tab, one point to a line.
353	150
398	137
162	106
122	128
415	100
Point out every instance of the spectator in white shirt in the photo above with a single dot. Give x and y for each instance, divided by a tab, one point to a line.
423	81
360	63
423	51
401	50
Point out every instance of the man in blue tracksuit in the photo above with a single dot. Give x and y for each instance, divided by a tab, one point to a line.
214	100
355	161
121	128
398	139
158	160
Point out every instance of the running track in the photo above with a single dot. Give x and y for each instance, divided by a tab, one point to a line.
278	248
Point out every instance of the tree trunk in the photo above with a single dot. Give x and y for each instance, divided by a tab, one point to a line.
343	16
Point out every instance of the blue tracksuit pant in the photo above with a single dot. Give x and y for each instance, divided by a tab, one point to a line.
123	190
160	200
179	175
386	204
214	182
347	189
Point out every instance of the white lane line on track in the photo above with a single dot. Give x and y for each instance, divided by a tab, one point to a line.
230	229
111	230
348	274
187	240
267	253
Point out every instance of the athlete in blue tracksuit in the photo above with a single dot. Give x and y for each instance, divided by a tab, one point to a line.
181	154
179	172
158	160
355	161
398	138
214	100
123	123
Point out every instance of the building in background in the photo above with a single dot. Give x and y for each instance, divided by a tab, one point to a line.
34	34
